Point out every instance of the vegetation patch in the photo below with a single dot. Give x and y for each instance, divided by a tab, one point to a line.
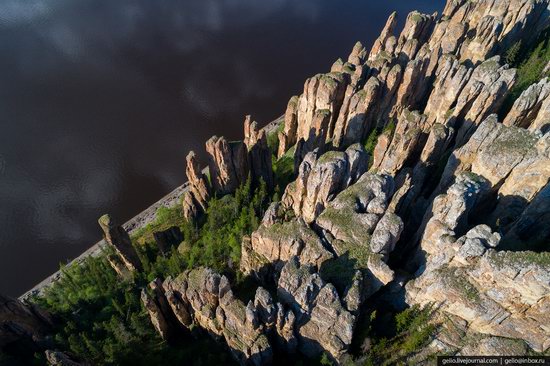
101	319
273	137
530	63
458	281
525	258
329	156
392	339
283	169
101	316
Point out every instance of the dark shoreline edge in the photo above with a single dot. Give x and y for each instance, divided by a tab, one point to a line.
140	220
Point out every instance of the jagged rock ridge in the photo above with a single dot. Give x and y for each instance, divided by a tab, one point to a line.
429	215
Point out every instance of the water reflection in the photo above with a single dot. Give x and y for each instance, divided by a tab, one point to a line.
100	101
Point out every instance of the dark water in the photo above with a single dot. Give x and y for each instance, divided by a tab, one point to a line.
100	101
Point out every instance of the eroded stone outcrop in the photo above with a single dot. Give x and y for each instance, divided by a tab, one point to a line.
228	164
259	155
482	95
322	323
530	230
390	157
504	294
504	156
448	214
156	315
357	115
362	232
387	32
119	240
288	137
497	25
321	92
532	109
321	177
196	197
275	243
463	97
448	190
498	293
58	358
206	298
162	316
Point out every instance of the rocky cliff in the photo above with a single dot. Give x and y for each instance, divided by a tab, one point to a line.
430	213
412	185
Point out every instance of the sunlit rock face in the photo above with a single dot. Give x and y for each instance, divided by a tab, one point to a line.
230	165
407	189
119	240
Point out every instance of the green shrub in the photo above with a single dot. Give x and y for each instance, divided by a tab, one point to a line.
325	361
371	141
412	332
511	55
283	169
530	65
273	137
101	316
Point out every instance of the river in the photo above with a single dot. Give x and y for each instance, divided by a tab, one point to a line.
101	100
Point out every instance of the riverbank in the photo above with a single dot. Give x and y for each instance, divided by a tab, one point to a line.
135	223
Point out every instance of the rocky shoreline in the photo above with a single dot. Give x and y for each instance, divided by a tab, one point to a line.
410	187
135	223
428	216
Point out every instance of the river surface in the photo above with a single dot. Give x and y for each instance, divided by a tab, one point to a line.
100	101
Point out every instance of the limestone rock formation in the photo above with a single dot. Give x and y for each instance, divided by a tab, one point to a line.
504	156
504	294
448	191
259	153
322	323
356	118
196	197
386	234
288	137
471	280
155	314
206	298
482	95
358	54
321	92
228	164
387	32
449	212
532	108
286	334
321	177
119	239
390	157
450	78
353	215
160	310
530	230
463	97
274	244
363	232
497	24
